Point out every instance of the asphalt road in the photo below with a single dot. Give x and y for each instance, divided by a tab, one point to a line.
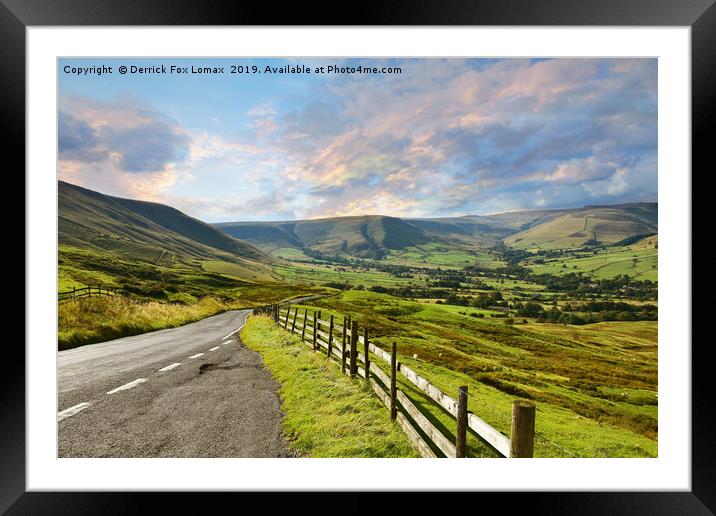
193	391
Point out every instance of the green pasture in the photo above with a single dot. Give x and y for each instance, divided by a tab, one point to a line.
575	374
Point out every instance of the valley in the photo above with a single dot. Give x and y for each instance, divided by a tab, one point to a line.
556	306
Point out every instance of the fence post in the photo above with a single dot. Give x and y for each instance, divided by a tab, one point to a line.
354	348
295	314
315	328
288	316
523	429
343	344
303	331
393	389
365	353
330	337
461	432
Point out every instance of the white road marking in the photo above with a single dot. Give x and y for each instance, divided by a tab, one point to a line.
197	355
129	385
170	367
237	329
72	411
214	348
230	334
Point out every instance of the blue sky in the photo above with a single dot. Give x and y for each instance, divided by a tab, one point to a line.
445	137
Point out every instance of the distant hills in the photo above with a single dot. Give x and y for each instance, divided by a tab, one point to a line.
146	231
163	235
540	229
349	235
591	224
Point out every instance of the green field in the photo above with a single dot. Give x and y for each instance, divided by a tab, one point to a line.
575	374
317	274
287	253
442	255
639	261
237	270
511	284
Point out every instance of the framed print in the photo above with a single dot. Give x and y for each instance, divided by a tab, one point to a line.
287	257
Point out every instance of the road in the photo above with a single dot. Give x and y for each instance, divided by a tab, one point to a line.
193	391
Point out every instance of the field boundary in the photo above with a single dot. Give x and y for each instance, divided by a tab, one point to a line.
344	342
85	292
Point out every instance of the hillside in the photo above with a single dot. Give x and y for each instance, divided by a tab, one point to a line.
360	236
472	229
375	235
104	239
193	229
595	224
269	234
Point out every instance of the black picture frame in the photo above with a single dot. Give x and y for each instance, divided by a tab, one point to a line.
700	15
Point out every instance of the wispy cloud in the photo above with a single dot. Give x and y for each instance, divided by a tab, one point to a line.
445	137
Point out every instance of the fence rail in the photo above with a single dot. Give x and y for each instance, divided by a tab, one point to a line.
345	343
85	292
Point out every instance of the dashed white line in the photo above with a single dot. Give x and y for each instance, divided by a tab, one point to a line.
72	411
81	406
237	329
129	385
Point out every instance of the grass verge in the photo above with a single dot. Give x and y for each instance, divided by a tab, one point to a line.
326	413
111	317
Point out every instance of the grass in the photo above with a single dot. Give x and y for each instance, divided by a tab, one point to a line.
155	296
105	318
79	267
287	253
441	255
237	270
570	230
640	261
320	273
575	374
326	414
110	317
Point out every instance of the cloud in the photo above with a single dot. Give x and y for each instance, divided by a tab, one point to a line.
139	139
123	147
445	137
77	140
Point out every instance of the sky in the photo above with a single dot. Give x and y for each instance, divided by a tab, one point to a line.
444	137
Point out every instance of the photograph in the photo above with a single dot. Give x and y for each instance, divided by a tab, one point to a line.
357	257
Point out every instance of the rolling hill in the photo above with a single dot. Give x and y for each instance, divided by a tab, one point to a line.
539	229
591	224
359	236
107	227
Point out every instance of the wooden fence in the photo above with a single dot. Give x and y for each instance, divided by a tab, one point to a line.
344	340
85	292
